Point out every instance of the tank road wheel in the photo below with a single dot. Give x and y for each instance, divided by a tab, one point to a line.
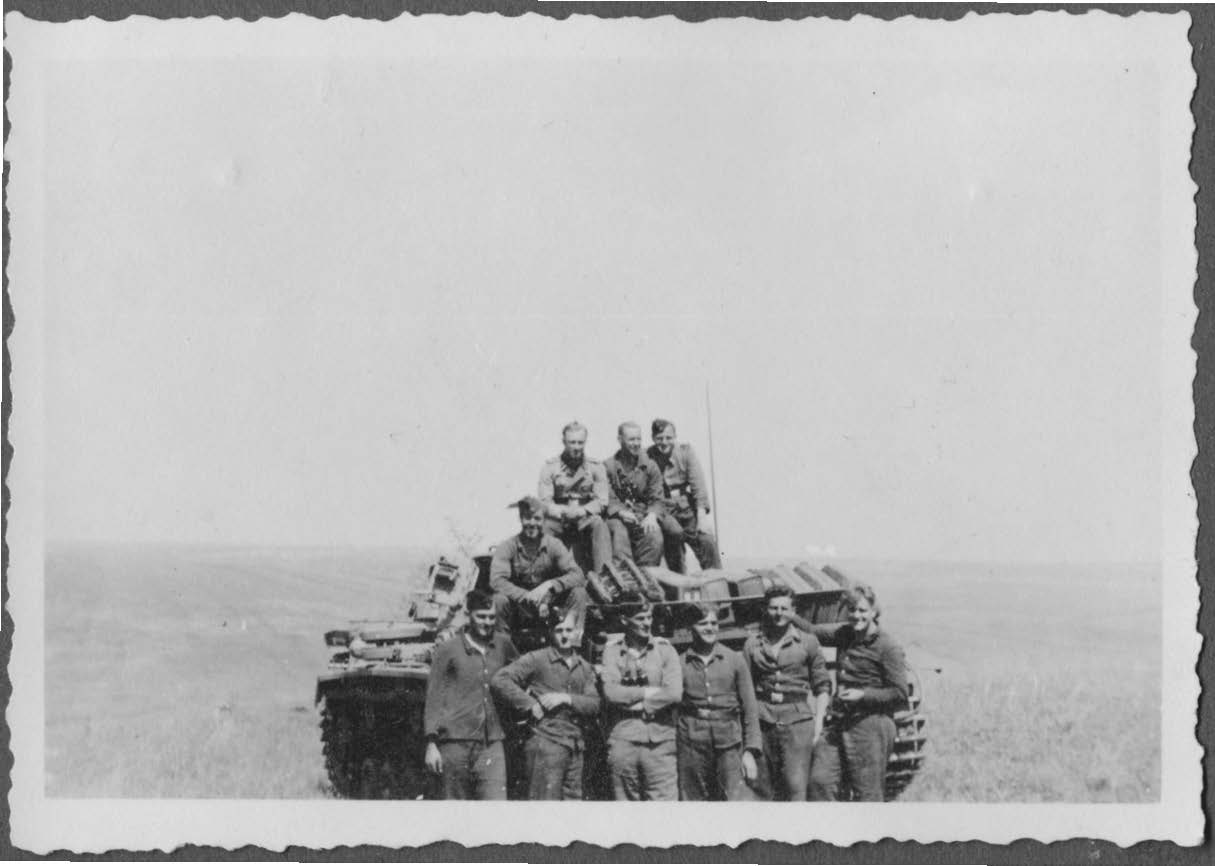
649	586
909	740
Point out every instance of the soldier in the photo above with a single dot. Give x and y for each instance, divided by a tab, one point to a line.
574	490
642	683
718	731
872	679
686	496
634	499
787	666
531	572
463	733
557	687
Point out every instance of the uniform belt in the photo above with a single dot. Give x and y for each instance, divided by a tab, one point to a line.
662	716
781	696
713	714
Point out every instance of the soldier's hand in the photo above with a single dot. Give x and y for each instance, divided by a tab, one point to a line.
552	700
538	595
433	760
538	711
851	696
749	767
650	522
628	517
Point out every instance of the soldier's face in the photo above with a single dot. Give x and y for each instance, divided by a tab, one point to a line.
532	523
563	633
575	444
639	625
861	616
705	631
630	440
665	440
483	622
780	609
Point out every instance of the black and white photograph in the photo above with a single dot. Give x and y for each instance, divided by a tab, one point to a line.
741	429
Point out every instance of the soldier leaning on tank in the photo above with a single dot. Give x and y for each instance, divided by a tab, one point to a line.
793	688
872	687
574	490
463	733
531	572
635	499
557	687
687	496
718	730
642	684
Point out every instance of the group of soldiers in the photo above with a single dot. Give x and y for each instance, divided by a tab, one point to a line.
712	724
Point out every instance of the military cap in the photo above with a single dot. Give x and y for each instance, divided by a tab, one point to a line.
528	505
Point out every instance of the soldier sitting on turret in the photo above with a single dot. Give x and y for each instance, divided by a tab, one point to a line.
531	572
687	496
635	499
574	490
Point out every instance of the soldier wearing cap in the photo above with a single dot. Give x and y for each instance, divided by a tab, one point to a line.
532	572
642	684
635	499
463	732
788	669
718	731
574	490
557	687
687	495
872	678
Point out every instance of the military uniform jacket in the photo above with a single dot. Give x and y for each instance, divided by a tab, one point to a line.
628	674
682	477
459	703
545	671
564	483
719	703
875	664
792	667
514	571
633	484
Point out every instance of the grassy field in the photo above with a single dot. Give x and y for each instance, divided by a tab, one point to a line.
189	672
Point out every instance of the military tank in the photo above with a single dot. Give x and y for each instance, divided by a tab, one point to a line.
372	696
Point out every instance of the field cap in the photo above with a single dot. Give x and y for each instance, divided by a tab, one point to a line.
528	505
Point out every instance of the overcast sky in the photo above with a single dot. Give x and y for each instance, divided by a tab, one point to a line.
311	298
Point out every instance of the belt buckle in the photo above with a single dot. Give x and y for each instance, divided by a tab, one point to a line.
778	698
704	712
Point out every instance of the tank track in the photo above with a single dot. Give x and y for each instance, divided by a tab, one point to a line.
371	752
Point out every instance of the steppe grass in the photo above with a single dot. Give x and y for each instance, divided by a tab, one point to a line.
190	672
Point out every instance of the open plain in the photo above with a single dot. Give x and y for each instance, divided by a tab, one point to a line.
189	671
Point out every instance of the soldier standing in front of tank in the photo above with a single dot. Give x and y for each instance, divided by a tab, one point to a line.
687	495
574	490
642	684
635	499
463	733
532	572
788	668
718	730
872	679
557	687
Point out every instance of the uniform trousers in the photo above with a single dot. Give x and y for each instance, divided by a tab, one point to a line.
643	771
856	748
680	528
554	771
516	615
588	538
631	541
473	770
708	771
785	770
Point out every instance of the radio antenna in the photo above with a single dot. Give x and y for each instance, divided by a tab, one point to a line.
713	469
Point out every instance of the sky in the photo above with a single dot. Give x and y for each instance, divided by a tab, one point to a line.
332	297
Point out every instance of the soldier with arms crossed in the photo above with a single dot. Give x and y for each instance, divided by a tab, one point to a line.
463	733
634	500
642	683
718	731
789	671
872	680
532	572
687	496
574	490
557	687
